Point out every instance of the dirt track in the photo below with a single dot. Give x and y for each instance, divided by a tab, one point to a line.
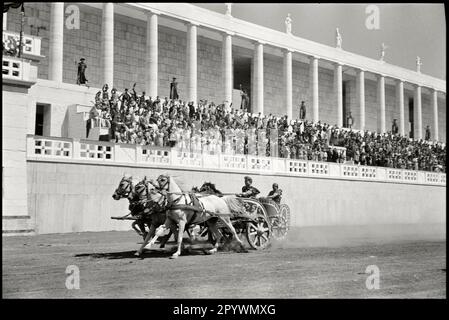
310	263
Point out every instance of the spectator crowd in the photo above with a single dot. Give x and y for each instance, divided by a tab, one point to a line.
209	128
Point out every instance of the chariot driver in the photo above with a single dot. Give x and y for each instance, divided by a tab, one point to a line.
248	191
275	194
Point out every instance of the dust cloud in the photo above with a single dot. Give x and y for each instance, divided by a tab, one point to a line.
338	236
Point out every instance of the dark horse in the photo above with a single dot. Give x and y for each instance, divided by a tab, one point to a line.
147	209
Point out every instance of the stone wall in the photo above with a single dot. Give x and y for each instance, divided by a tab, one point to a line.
74	197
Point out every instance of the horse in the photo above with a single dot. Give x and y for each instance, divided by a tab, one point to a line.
181	212
146	206
125	190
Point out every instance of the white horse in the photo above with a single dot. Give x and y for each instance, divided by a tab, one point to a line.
181	212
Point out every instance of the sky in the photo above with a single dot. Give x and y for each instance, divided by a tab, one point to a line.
408	30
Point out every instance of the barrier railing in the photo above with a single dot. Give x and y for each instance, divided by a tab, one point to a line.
18	70
48	148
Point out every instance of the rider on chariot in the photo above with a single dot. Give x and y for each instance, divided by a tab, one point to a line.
275	194
248	191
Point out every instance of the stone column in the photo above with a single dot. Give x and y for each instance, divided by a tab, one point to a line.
288	83
338	91
55	54
5	20
192	62
360	89
258	77
107	44
400	105
381	101
151	57
227	66
314	87
418	113
435	114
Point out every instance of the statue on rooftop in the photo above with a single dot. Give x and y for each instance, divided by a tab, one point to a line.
228	9
418	64
288	24
338	38
382	52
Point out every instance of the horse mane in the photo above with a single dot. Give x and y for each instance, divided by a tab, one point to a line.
212	187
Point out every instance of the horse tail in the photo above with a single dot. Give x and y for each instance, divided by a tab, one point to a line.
234	204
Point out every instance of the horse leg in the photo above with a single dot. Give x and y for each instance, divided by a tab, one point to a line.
159	232
228	223
165	239
133	225
141	225
181	225
213	228
151	233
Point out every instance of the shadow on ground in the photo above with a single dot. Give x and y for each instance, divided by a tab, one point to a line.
161	253
144	255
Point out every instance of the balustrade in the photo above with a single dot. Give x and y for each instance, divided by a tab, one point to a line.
71	149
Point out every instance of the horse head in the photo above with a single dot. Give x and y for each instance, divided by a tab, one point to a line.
124	188
139	191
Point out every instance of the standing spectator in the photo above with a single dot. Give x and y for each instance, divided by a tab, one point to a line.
350	121
244	104
124	98
82	66
394	127
427	133
191	111
174	90
302	111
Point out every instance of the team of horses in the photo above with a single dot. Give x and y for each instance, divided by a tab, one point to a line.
167	207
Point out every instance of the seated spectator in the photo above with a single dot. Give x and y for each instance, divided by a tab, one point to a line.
211	128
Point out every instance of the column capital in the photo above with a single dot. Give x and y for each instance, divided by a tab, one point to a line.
337	64
360	70
380	75
312	57
287	50
191	23
227	33
150	12
258	42
398	80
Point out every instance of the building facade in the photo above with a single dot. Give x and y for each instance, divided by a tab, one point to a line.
211	55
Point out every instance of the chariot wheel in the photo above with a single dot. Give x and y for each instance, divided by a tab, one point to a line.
258	233
278	228
281	223
284	213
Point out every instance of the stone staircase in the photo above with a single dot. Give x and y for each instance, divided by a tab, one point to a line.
17	226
